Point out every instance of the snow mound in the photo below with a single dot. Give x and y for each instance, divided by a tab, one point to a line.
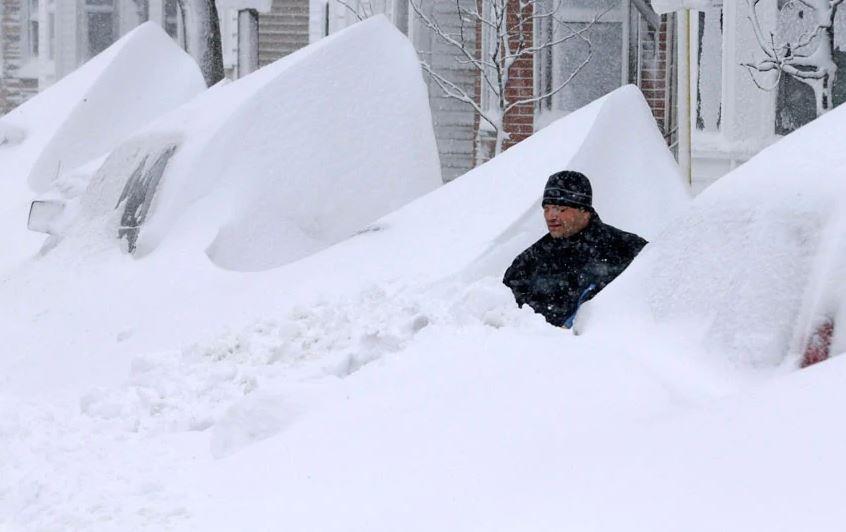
286	161
83	116
87	113
11	135
478	223
758	263
396	351
469	229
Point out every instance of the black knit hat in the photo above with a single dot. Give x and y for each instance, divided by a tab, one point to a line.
570	189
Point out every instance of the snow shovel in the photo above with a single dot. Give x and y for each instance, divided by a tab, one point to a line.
586	294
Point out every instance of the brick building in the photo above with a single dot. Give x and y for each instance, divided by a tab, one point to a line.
630	44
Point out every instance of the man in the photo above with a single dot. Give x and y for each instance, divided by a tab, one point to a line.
576	259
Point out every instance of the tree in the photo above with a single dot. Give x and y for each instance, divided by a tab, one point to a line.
201	28
507	27
809	57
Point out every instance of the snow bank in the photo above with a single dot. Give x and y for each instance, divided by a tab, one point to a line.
290	159
396	351
477	224
141	76
466	230
83	116
521	431
757	263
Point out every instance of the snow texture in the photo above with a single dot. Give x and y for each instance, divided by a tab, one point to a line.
389	382
392	375
76	119
668	6
262	6
757	263
136	393
288	160
466	230
82	117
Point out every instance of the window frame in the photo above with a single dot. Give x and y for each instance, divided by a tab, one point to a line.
92	7
580	15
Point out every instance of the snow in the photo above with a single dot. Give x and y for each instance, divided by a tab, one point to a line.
668	6
290	159
172	367
262	6
389	381
82	117
709	75
11	135
757	262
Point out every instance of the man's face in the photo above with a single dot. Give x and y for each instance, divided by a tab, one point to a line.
564	222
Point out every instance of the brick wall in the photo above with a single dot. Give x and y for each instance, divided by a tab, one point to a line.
519	122
655	80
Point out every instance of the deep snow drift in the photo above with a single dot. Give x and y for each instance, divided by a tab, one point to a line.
468	229
285	162
389	382
186	363
756	265
83	116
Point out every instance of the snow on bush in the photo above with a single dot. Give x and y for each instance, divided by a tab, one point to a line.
289	160
83	116
758	262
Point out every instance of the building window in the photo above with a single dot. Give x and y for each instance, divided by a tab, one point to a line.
102	25
51	30
707	29
795	100
171	24
29	31
607	48
32	29
142	9
29	40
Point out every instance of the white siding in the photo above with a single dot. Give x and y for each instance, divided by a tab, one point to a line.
284	30
454	121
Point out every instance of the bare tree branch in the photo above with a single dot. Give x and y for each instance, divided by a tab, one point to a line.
809	59
508	37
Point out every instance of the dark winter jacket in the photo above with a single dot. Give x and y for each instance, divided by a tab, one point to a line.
555	275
